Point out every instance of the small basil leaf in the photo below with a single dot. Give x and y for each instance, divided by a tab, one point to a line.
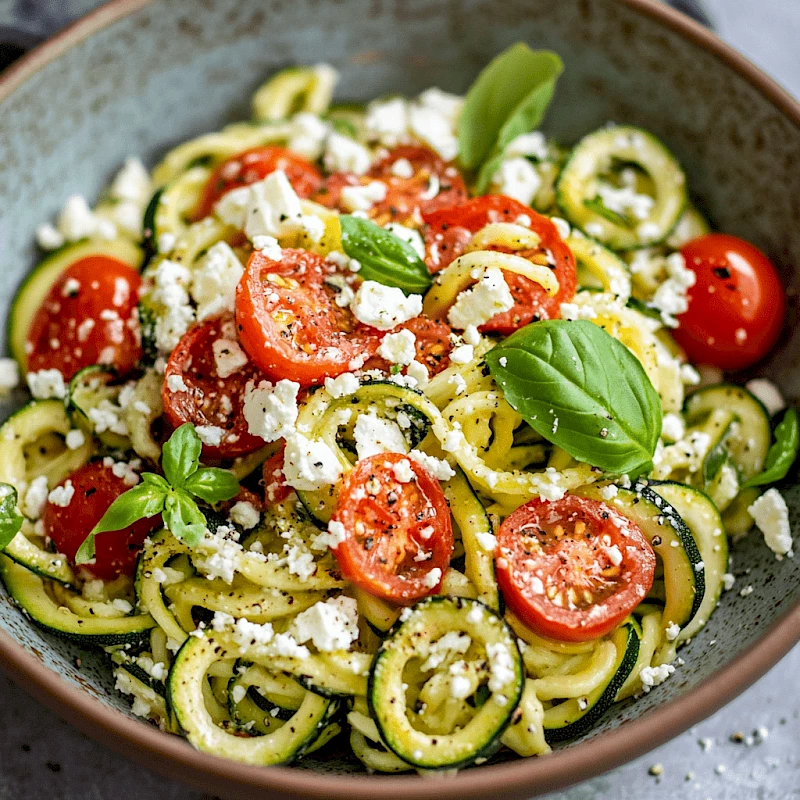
384	257
181	454
583	390
508	98
715	459
10	518
143	501
212	485
183	518
782	452
525	118
151	479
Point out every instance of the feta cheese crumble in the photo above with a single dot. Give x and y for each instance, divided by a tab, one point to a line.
399	348
329	625
478	304
214	280
309	465
46	384
384	307
374	435
271	410
771	515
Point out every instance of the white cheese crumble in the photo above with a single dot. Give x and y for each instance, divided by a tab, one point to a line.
409	236
273	209
35	498
531	144
214	280
772	517
228	357
501	666
9	374
670	297
384	307
398	348
309	465
625	199
329	625
308	135
62	495
362	198
176	383
245	514
403	471
478	304
74	439
271	410
170	290
46	384
437	467
768	393
462	354
78	221
331	538
672	631
374	435
517	178
653	676
342	385
673	427
343	154
418	373
432	578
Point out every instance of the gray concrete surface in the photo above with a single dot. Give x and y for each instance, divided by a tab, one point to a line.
42	757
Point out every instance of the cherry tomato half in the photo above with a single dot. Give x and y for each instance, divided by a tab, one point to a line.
572	569
289	323
209	398
95	487
736	307
252	166
88	317
449	230
398	535
421	182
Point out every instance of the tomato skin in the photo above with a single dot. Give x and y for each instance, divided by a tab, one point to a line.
542	546
72	319
96	487
203	402
736	307
290	325
449	230
404	201
387	523
252	166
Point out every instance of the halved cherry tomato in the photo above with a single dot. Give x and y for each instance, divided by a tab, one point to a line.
433	345
450	229
290	325
95	487
572	569
275	488
423	184
254	165
208	399
88	317
396	534
736	307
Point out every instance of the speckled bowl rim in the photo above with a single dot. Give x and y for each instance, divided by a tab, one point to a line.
173	757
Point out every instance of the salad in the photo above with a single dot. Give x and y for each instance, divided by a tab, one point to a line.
401	425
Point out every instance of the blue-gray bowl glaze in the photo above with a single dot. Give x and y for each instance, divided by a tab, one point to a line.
172	69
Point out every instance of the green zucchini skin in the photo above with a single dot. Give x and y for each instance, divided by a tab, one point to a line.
627	639
34	289
27	591
429	620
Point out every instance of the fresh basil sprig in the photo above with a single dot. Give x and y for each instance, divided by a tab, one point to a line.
509	98
782	453
583	390
10	518
173	496
384	257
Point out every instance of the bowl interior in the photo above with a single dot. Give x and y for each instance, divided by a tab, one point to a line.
173	69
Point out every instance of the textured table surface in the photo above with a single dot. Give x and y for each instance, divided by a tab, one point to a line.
42	757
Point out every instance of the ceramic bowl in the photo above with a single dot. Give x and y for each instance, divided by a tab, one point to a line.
137	77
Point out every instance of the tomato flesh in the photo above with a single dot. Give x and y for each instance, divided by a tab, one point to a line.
275	488
95	488
736	307
252	166
203	397
88	317
290	324
431	341
572	569
422	183
449	230
396	533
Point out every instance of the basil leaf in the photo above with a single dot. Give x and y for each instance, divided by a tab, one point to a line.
212	485
10	518
384	257
782	453
583	390
184	518
143	501
509	98
181	454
